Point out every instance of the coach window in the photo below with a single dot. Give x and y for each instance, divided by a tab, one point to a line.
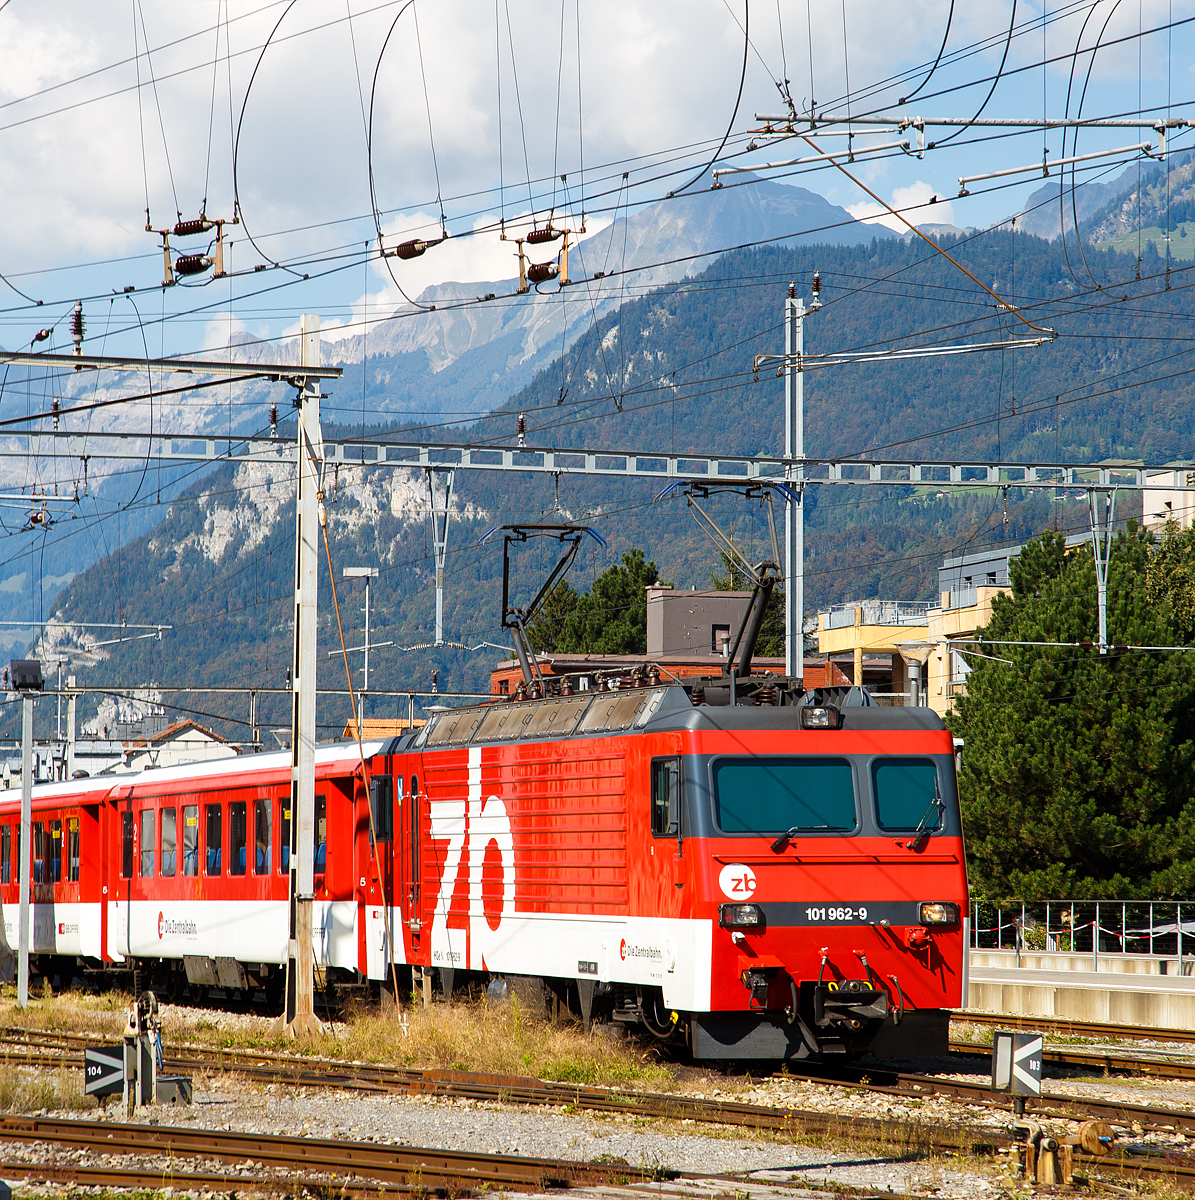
907	795
213	816
148	841
169	841
126	845
262	834
5	853
284	835
54	874
237	816
665	797
775	795
321	834
72	849
39	852
191	839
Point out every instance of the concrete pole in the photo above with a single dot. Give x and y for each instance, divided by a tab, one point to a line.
794	513
365	689
299	1017
25	854
71	703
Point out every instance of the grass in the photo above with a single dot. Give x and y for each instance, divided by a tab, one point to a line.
25	1091
466	1035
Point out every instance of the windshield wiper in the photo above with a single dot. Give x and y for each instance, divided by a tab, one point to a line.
787	836
924	827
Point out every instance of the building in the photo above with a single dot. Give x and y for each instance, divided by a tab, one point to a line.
180	742
693	623
1159	508
872	632
381	727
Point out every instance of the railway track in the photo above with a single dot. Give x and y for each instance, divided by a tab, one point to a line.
1063	1025
1107	1062
325	1073
371	1169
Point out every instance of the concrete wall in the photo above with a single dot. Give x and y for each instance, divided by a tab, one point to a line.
681	622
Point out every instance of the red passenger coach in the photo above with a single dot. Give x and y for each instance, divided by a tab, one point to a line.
748	868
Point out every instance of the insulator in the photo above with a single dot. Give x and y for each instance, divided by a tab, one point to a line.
817	283
542	272
54	408
189	228
411	249
538	236
191	264
522	430
78	326
41	335
273	420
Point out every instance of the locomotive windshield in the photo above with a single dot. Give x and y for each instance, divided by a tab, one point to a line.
908	798
770	795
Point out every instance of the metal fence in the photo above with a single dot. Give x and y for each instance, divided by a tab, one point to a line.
1163	928
878	612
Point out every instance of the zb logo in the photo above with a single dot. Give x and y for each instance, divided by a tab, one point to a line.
482	827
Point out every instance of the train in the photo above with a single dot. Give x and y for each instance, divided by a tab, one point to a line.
737	864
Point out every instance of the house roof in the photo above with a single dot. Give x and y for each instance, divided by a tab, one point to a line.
379	727
175	731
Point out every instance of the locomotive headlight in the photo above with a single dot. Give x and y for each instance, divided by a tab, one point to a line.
823	716
740	916
939	912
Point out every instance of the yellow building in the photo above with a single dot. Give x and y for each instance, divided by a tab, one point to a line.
874	627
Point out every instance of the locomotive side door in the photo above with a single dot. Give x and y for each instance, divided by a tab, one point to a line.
409	854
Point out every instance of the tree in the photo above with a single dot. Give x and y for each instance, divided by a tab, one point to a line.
611	618
771	643
1078	775
545	630
1170	580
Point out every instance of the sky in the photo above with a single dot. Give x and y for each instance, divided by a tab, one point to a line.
109	109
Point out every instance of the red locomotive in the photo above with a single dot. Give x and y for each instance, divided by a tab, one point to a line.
732	860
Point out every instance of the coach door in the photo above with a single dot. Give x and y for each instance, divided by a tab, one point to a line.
375	849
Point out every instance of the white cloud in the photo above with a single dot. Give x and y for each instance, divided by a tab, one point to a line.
912	202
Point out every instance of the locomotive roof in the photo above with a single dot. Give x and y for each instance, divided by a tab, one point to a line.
636	710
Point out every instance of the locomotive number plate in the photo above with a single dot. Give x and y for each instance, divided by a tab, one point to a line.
841	912
834	913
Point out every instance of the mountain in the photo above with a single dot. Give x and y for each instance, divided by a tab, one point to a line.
672	371
1046	208
1164	203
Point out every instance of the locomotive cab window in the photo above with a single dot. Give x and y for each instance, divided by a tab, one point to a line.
213	815
907	796
665	797
169	842
774	795
5	854
191	839
238	819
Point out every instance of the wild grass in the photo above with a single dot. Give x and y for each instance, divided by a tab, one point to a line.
32	1091
500	1038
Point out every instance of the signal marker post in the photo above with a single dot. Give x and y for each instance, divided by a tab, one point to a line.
299	1017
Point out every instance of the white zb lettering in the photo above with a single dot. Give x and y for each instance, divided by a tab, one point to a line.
479	824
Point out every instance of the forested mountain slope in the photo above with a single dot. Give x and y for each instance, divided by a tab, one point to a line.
673	371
